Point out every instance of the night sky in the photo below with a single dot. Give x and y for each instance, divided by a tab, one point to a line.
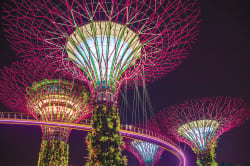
219	65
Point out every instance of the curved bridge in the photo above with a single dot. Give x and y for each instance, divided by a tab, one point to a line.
126	131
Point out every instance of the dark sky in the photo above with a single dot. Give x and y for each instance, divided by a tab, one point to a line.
219	65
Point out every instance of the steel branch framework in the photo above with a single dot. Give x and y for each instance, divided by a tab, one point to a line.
107	42
111	41
200	122
40	89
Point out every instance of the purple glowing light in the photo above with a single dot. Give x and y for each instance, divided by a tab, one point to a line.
125	133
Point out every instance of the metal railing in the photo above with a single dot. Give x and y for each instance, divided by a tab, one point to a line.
129	128
15	115
148	133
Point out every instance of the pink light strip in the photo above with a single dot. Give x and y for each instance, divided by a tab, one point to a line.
179	154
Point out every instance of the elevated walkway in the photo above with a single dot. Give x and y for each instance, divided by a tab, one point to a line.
126	131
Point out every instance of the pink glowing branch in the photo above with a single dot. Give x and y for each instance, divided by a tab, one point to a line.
133	151
43	90
215	115
166	30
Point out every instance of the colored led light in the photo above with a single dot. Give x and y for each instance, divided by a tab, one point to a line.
146	149
109	53
199	131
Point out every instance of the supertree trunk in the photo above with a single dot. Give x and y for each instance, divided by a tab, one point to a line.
206	158
105	142
54	148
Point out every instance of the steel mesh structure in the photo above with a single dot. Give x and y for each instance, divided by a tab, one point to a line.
200	122
111	41
149	154
40	89
105	43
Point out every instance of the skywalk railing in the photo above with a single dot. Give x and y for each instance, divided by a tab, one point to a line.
129	128
16	115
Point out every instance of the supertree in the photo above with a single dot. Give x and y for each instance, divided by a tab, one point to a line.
147	154
42	90
199	123
110	42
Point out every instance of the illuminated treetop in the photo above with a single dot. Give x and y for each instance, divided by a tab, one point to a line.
200	122
41	89
110	41
146	153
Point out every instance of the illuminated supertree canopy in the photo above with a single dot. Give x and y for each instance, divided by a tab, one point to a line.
199	122
149	154
109	42
40	89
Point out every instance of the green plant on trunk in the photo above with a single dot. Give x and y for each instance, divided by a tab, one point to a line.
53	152
105	142
207	157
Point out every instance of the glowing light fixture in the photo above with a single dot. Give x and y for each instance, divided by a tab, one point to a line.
199	131
199	123
104	50
146	149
